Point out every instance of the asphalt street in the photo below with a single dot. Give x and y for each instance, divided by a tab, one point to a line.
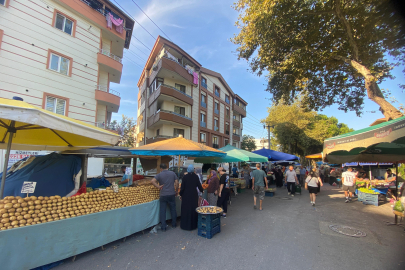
288	234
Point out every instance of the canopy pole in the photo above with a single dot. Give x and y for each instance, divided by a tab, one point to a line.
396	179
178	168
12	131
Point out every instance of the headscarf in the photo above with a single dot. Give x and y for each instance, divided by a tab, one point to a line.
190	168
214	175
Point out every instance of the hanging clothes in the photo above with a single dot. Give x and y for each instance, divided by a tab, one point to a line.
119	23
109	23
195	75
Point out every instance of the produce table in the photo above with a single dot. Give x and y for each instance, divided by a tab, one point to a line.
36	245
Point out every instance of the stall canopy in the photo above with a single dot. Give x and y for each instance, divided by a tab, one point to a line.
273	155
177	146
314	156
26	127
384	142
233	154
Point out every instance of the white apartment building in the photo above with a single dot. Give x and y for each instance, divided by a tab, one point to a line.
62	56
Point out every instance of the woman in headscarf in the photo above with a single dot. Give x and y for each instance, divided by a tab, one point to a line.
213	185
189	199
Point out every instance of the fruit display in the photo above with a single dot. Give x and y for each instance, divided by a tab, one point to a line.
209	210
19	212
368	191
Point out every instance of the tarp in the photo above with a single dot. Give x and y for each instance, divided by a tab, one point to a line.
233	154
273	155
53	173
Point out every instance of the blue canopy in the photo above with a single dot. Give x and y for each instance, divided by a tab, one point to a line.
273	155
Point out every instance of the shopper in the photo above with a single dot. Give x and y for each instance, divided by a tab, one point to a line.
213	186
189	200
291	180
313	181
259	181
235	171
349	180
168	184
332	176
224	191
303	173
246	175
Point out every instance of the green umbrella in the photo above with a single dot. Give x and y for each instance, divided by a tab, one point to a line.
233	154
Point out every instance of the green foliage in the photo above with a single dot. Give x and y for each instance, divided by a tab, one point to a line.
324	51
248	143
126	129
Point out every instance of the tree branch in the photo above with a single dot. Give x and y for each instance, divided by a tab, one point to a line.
348	30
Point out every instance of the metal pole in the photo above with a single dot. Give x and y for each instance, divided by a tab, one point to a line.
10	139
396	179
268	127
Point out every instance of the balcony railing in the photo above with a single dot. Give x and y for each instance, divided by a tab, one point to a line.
113	56
104	125
203	124
216	111
236	134
178	114
97	6
203	104
217	94
203	84
214	145
227	100
174	88
216	128
108	90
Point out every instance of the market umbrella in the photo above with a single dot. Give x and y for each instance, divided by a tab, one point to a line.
314	156
31	128
177	146
233	154
273	155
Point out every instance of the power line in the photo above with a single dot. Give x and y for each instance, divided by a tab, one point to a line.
141	43
140	50
132	52
151	20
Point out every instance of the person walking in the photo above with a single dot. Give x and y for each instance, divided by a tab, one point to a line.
291	180
313	181
332	177
259	180
235	171
303	173
213	186
223	195
189	199
246	175
348	180
168	184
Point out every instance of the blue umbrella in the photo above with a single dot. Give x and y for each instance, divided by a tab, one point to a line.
273	155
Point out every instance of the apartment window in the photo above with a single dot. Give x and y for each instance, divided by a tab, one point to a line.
180	87
203	101
203	117
227	129
177	132
227	99
234	117
217	91
215	142
216	124
157	132
55	105
64	24
59	64
155	84
235	131
216	108
227	113
204	82
3	2
180	110
226	142
202	138
203	123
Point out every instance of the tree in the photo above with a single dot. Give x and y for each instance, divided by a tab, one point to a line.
248	143
327	51
126	129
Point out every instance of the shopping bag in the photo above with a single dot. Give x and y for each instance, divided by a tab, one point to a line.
398	206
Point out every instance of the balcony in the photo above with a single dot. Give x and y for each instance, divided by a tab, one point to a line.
216	111
216	128
236	123
142	108
106	126
203	104
166	67
171	117
214	145
203	124
236	137
240	110
158	138
203	84
217	94
111	64
172	92
108	97
227	100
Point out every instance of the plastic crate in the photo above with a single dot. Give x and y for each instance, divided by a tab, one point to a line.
207	218
205	225
360	196
209	233
269	194
371	199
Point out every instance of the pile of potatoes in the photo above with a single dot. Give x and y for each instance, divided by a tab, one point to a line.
18	212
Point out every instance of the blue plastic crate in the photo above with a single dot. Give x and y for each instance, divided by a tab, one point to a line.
371	199
207	218
269	194
360	196
205	225
209	233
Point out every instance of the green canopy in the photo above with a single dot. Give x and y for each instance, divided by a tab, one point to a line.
384	142
233	154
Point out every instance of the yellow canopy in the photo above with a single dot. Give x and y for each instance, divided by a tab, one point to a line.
314	156
39	129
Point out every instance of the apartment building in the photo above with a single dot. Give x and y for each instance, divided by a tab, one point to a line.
64	55
179	96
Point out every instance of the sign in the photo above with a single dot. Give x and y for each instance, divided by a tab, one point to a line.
28	187
16	155
128	171
175	161
139	169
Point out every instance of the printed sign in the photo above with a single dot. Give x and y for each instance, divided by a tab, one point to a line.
16	155
28	187
128	171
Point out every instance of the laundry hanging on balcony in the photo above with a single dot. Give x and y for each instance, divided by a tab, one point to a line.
119	23
189	69
195	75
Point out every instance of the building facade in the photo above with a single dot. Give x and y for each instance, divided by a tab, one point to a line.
63	55
177	96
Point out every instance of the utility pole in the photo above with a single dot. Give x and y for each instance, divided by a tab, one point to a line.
268	129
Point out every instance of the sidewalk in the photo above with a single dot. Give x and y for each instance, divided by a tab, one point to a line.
288	234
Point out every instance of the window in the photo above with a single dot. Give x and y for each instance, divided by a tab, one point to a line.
226	142
180	110
227	129
177	132
63	23
216	123
59	64
234	117
3	2
180	87
227	113
214	140
203	101
216	108
203	98
202	138
155	84
235	131
202	117
202	122
227	99
55	105
204	82
157	132
217	91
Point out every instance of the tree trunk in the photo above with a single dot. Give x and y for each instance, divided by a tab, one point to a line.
374	93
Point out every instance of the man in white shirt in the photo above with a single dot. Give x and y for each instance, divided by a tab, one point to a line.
349	180
291	179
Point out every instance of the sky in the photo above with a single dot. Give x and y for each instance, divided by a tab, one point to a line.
204	29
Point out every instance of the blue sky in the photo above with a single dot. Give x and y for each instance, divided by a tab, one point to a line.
204	29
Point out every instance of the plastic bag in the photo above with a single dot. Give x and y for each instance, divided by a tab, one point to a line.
398	206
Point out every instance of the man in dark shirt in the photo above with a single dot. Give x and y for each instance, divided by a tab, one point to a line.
168	184
224	192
